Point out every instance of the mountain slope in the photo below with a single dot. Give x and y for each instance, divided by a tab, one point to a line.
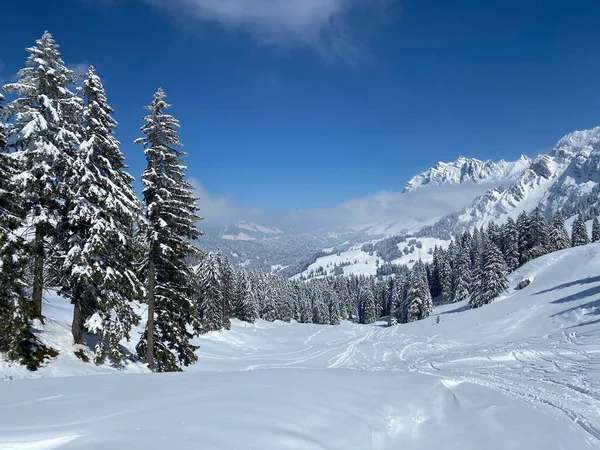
523	372
554	181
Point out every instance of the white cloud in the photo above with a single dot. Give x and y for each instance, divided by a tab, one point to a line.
220	210
321	24
385	212
392	212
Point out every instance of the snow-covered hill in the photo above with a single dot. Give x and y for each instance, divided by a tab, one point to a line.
365	259
469	170
521	373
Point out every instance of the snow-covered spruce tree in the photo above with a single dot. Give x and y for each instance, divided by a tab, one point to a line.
44	131
330	297
97	234
268	308
436	286
525	238
210	293
579	233
538	236
420	304
491	277
510	244
494	274
319	308
367	309
305	305
171	216
462	275
446	278
595	230
396	301
226	288
245	304
285	307
16	338
558	236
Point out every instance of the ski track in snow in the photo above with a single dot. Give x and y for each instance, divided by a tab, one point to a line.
528	363
561	379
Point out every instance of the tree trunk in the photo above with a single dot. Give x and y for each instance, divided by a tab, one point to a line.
77	325
38	272
150	348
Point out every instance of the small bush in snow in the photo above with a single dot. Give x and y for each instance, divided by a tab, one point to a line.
523	284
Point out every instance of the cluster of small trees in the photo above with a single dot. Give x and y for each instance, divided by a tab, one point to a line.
70	219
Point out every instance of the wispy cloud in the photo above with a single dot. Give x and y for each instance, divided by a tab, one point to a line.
220	210
390	212
321	24
384	212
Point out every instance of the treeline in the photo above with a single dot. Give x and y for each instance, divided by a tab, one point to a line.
475	265
224	293
69	218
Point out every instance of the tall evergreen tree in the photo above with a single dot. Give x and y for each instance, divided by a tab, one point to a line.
44	131
525	238
559	237
538	236
494	274
226	288
367	309
579	233
210	293
446	277
245	304
595	230
491	277
401	286
171	216
420	305
510	245
462	275
98	264
16	338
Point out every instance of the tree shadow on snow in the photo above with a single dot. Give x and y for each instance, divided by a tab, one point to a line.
588	280
456	310
578	296
593	307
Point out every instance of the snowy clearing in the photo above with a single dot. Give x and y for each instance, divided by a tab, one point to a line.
521	373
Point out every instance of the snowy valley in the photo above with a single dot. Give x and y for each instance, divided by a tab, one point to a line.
523	372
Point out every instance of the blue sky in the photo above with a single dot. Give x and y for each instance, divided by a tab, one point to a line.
289	105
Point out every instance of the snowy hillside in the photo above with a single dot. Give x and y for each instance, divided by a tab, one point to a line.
469	170
364	259
521	373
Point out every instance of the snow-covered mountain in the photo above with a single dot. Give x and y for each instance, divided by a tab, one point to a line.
553	181
469	170
446	199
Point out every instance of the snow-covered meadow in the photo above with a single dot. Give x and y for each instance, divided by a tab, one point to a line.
521	373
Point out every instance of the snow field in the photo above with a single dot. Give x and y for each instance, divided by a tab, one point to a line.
521	373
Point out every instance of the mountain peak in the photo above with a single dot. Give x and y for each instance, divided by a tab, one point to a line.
580	142
468	170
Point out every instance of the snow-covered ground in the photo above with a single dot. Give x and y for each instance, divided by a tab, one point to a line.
355	261
521	373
